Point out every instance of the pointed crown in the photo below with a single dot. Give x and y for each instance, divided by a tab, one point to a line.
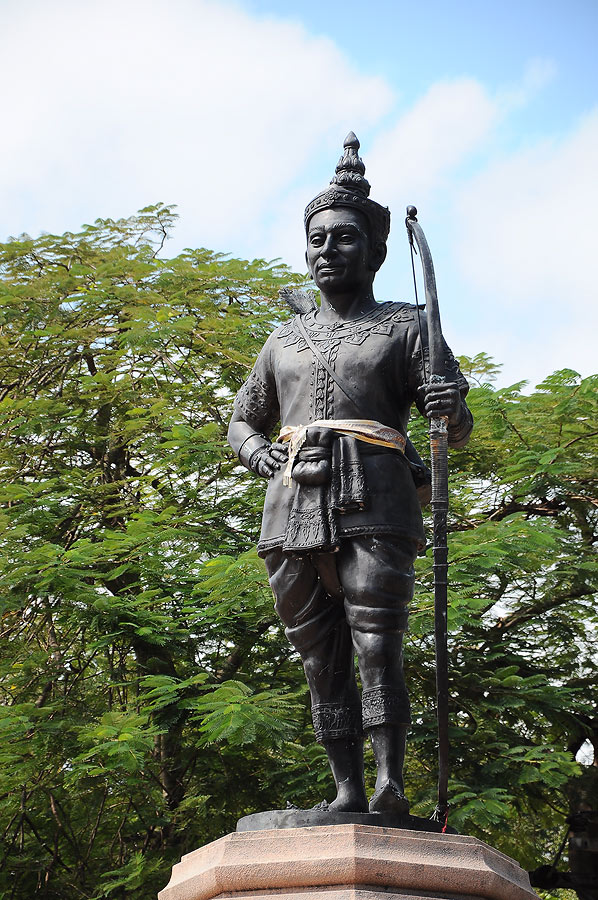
351	188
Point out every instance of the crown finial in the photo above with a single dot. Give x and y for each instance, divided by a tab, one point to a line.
351	169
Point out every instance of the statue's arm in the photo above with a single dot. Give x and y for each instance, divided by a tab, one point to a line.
256	412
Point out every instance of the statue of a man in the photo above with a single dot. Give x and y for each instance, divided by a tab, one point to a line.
342	522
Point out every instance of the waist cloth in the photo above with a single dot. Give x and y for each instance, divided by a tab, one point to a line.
326	471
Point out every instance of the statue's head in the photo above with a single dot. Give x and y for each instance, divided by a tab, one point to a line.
346	205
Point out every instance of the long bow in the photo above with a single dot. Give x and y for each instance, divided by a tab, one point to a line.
439	456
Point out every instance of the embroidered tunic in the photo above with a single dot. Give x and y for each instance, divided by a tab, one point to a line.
379	356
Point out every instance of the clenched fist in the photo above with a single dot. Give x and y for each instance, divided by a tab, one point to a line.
442	399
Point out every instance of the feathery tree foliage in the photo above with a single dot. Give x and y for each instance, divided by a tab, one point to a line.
149	696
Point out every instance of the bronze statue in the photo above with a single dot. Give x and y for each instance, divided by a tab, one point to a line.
342	521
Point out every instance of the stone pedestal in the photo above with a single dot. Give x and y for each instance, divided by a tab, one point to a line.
347	862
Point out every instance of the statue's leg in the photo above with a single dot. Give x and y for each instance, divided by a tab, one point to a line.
377	576
316	626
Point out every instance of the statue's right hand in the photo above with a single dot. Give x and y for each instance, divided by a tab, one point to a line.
271	459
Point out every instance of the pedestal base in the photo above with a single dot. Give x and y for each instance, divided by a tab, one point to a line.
347	862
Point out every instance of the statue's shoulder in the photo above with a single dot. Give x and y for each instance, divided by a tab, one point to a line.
281	331
285	329
399	309
276	332
288	333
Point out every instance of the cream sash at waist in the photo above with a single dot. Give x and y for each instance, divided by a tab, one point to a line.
366	430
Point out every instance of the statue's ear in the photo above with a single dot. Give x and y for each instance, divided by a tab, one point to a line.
377	255
308	265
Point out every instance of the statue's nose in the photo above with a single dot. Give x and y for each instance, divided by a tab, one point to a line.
329	246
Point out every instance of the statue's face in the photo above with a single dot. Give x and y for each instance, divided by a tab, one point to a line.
338	252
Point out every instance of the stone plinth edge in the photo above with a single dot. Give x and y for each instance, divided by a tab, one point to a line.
347	862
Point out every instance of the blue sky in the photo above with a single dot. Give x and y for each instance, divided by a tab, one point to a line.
411	44
484	115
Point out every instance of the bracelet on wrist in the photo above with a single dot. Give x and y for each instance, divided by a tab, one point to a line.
255	457
251	445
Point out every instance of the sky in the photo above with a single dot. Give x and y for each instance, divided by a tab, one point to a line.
483	115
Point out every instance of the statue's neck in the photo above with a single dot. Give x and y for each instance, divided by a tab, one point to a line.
344	308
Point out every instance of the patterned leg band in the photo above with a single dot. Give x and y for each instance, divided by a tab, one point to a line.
385	706
333	721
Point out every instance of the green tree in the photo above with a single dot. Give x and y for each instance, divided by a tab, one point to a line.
149	697
123	717
523	619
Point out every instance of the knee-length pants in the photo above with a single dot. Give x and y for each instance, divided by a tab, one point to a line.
335	605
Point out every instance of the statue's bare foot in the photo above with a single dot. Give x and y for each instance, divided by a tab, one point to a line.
389	797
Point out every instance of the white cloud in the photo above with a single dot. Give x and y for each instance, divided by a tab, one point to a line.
115	105
526	246
430	140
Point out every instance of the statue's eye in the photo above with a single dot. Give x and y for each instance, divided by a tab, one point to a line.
316	240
